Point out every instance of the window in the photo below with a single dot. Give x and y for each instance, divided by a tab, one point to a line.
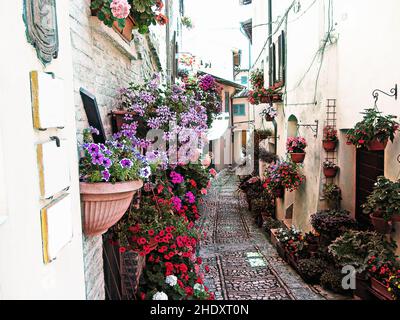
226	101
239	110
243	80
277	62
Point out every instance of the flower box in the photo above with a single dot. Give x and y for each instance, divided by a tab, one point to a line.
380	290
104	204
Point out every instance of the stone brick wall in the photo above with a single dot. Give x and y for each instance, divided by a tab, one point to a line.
102	62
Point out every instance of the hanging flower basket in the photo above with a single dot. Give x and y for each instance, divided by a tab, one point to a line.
330	172
265	99
380	224
376	145
104	204
329	146
298	157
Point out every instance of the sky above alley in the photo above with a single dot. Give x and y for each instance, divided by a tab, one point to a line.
216	32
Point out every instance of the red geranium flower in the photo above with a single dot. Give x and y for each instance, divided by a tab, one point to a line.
122	249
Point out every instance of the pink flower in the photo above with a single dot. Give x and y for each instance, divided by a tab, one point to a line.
213	172
120	9
203	191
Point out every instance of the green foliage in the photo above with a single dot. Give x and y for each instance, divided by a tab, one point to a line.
332	223
332	280
355	248
385	198
311	269
373	126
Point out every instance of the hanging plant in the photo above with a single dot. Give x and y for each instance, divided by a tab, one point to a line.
262	95
269	113
330	139
373	131
295	147
143	12
330	169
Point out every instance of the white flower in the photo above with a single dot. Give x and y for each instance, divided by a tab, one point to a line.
171	280
145	172
160	296
198	286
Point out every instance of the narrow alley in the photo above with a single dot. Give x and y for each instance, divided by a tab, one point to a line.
243	264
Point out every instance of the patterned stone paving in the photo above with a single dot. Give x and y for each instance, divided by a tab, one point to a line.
243	264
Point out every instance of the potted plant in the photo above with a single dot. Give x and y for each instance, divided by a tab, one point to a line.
330	139
262	95
383	204
355	248
257	78
394	285
269	113
110	175
282	175
380	272
311	269
330	169
312	241
331	224
117	12
271	223
295	146
374	131
332	194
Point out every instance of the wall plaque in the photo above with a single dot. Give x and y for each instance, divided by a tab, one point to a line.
40	17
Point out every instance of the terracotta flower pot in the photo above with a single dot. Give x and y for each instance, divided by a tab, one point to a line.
329	146
376	145
380	289
380	224
330	172
104	204
298	157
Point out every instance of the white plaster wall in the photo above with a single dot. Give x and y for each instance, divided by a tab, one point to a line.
22	272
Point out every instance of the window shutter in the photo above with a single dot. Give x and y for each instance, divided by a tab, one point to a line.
282	58
226	101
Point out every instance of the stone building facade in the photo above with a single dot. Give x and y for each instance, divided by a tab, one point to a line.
104	61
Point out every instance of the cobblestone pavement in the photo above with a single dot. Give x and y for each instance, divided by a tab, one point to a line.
243	264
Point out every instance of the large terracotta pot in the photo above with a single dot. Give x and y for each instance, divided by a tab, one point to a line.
330	172
104	204
298	157
329	146
380	289
381	225
376	145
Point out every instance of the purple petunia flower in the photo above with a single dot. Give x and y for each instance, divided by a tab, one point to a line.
145	172
97	158
126	163
93	148
105	174
107	162
94	130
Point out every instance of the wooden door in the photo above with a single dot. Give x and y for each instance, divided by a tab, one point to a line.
370	165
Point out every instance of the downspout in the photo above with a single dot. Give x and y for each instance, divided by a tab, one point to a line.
270	44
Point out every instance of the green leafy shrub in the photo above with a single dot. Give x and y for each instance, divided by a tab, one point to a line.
311	269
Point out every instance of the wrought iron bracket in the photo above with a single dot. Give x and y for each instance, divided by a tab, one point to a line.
312	127
393	93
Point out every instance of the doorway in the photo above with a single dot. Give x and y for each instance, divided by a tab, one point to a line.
370	165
